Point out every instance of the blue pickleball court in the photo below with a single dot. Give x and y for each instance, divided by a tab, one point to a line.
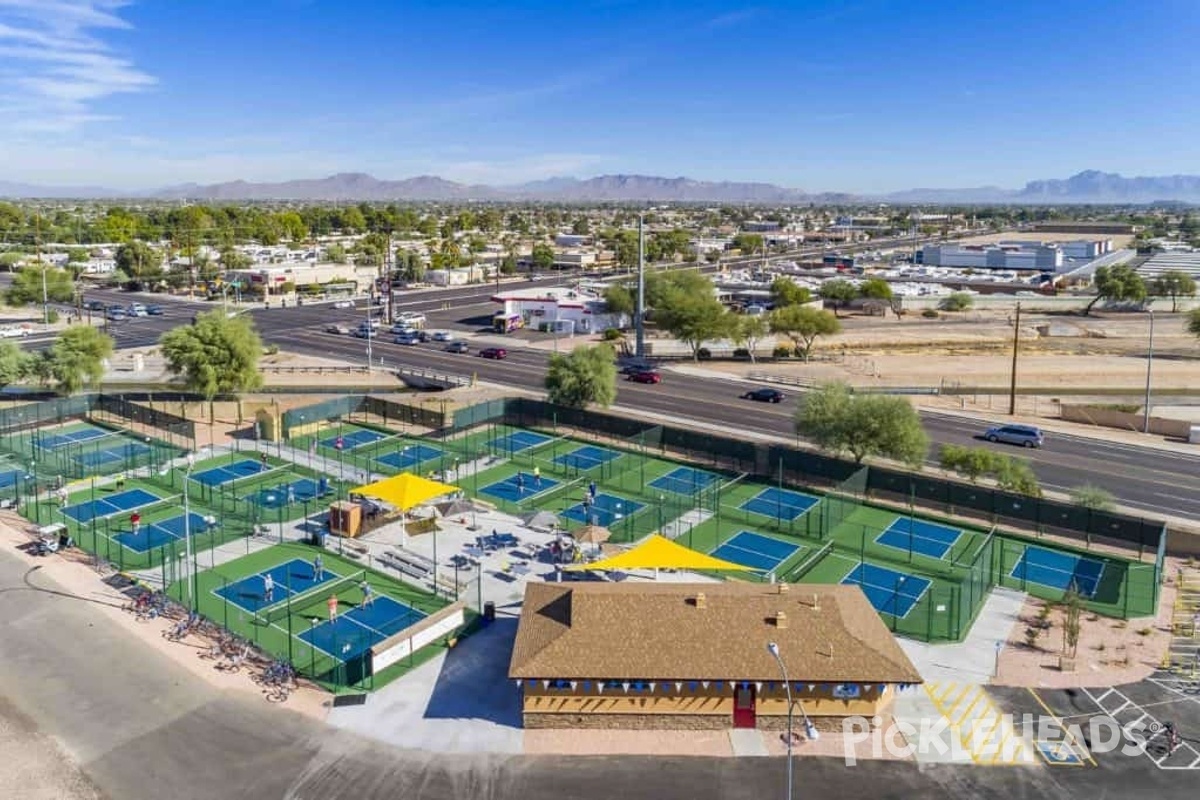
409	457
112	455
918	536
756	551
587	457
1058	570
353	439
291	578
53	441
604	510
889	591
156	534
362	627
517	441
227	473
685	480
514	490
779	503
112	504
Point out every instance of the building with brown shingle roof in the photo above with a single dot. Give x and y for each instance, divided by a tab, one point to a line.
688	656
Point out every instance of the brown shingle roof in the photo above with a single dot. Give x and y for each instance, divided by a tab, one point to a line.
657	631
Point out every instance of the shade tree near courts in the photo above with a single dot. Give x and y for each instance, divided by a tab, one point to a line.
216	355
839	421
582	377
803	324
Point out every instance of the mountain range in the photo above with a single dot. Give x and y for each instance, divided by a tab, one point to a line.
1090	186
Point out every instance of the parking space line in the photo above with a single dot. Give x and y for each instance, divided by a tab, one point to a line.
1076	745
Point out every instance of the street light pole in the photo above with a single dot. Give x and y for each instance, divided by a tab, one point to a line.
1149	363
187	534
640	311
773	649
809	730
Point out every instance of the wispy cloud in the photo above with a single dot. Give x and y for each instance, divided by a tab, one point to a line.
57	67
731	18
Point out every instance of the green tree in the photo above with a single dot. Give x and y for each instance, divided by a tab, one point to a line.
862	425
971	463
139	261
619	299
839	292
216	355
875	289
584	376
712	256
1017	475
1173	284
14	363
1093	497
581	227
1118	283
10	260
1193	322
803	324
508	265
293	225
692	317
748	243
542	257
957	301
26	287
786	292
336	253
748	331
234	259
352	220
76	359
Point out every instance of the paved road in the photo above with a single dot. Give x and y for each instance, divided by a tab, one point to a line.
1144	479
141	727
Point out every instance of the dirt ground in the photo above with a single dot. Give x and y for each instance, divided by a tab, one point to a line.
974	349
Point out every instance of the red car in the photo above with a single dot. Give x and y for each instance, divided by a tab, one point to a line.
493	352
645	376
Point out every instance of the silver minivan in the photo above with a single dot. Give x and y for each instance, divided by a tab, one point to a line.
1024	435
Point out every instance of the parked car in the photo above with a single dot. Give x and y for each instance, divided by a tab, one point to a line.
424	336
137	310
645	376
457	347
94	305
154	311
412	318
764	395
341	329
344	304
443	336
116	314
13	332
497	353
1024	435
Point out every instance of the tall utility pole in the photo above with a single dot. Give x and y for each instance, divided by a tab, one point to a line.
37	238
1012	388
1149	363
640	311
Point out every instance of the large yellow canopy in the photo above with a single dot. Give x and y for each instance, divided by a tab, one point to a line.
659	552
405	491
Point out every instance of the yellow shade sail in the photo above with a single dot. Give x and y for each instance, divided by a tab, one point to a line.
658	552
405	491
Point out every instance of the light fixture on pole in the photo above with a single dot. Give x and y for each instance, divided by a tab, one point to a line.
187	534
810	730
1149	364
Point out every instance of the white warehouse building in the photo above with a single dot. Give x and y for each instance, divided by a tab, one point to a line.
1038	257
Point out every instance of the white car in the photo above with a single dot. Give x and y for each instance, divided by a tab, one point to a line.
344	304
412	318
443	336
13	332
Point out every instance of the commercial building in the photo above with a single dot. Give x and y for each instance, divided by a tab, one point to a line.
1176	261
1069	226
272	279
557	308
695	656
1011	255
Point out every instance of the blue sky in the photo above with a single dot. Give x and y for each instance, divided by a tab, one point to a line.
825	96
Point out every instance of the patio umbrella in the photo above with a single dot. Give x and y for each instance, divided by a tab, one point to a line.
540	519
456	508
593	534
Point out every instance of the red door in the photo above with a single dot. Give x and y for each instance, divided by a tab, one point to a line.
743	707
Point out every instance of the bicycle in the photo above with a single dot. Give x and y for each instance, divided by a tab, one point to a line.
234	662
277	673
182	628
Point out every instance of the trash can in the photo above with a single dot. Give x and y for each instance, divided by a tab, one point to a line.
489	611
